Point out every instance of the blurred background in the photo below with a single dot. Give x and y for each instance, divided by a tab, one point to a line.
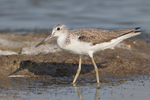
104	14
125	71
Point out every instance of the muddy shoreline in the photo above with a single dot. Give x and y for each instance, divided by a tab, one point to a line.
128	59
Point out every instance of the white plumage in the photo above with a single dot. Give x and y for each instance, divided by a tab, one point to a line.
88	41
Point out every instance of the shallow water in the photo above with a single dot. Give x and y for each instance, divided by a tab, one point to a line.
50	89
44	14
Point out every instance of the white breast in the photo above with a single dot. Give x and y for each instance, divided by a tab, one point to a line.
77	47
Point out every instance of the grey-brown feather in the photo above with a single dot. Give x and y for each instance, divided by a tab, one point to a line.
97	36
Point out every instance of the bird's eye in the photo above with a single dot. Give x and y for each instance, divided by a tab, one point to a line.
58	28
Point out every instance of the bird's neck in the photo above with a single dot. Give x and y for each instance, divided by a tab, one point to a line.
62	40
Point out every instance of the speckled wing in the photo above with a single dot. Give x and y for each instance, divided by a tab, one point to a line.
97	36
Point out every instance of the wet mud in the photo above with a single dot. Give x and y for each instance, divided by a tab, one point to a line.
130	58
46	72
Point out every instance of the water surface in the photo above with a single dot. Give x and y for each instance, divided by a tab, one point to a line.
44	14
51	89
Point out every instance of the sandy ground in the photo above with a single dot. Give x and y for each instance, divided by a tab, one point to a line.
130	58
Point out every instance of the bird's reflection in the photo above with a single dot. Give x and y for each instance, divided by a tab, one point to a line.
79	94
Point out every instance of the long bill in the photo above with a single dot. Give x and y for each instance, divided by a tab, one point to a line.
46	39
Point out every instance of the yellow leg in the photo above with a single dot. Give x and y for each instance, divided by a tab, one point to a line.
96	94
78	71
96	70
